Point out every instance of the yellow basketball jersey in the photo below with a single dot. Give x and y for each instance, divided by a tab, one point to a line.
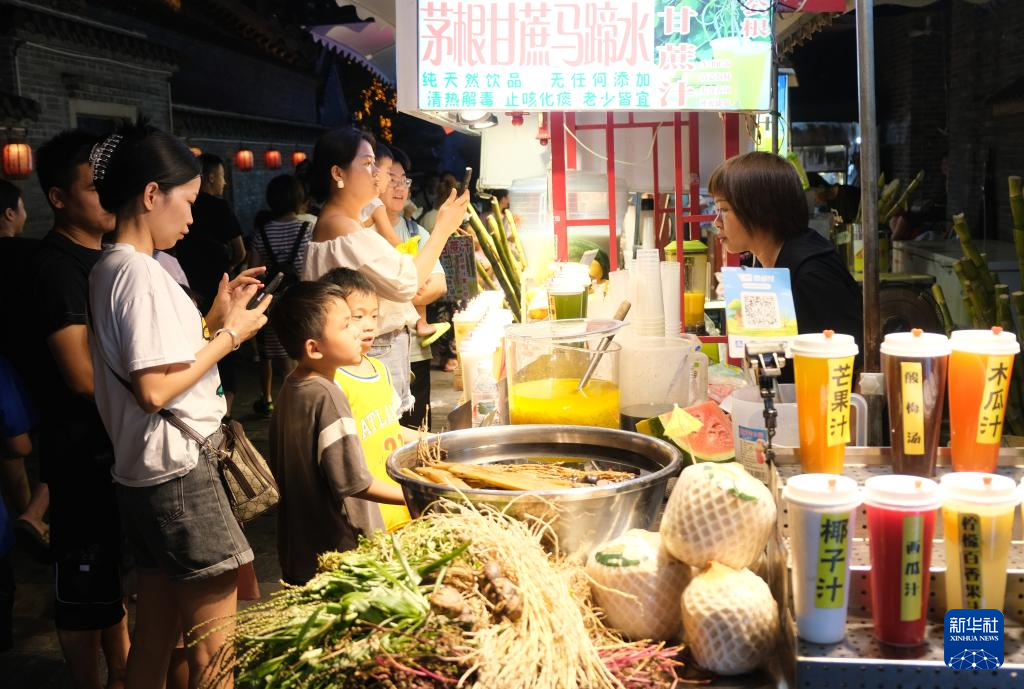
374	407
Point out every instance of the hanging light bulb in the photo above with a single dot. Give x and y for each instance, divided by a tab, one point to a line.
473	115
487	123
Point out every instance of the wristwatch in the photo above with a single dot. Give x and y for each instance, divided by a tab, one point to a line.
236	341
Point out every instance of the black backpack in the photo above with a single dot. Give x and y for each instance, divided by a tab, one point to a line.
287	268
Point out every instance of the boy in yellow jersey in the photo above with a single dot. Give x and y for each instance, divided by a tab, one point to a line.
368	388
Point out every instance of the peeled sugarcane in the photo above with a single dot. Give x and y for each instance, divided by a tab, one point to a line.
940	300
491	252
903	202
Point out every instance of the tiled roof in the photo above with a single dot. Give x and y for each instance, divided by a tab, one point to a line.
16	111
202	123
62	31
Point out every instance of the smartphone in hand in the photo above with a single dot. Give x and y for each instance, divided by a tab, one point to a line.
267	290
466	179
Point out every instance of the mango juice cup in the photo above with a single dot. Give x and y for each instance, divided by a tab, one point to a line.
823	372
977	523
979	379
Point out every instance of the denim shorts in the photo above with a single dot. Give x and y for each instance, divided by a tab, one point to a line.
393	350
184	527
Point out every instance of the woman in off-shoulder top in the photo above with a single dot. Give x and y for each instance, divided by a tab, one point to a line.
343	176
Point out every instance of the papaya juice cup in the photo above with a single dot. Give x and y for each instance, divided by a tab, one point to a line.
823	372
980	368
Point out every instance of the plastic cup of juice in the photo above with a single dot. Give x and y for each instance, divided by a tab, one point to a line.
979	373
901	523
567	301
977	523
822	516
915	366
823	372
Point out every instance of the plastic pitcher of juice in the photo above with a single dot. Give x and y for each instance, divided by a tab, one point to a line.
545	362
979	373
901	523
977	523
823	372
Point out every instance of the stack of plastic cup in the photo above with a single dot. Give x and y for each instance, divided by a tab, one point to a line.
649	305
670	297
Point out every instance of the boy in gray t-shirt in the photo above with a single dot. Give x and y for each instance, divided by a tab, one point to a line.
315	453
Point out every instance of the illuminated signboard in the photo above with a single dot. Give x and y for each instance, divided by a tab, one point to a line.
594	55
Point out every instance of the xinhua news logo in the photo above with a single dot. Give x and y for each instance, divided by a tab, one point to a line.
974	639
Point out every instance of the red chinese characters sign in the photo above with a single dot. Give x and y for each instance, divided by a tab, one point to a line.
593	54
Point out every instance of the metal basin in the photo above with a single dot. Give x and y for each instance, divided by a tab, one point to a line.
580	518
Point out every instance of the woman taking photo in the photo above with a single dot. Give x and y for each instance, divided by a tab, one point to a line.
151	351
762	208
344	175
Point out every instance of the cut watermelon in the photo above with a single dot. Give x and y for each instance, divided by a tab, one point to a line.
712	442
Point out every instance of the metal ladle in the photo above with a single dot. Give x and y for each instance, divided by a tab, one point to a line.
595	359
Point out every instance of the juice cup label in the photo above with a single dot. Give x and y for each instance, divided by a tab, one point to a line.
910	568
969	526
913	408
840	383
993	399
833	542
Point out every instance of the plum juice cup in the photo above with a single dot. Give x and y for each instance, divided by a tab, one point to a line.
915	366
822	516
977	524
901	524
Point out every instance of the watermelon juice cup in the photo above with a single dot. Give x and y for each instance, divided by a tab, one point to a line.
901	523
977	522
979	373
822	517
823	372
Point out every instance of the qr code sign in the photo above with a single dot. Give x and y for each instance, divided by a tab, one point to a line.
760	310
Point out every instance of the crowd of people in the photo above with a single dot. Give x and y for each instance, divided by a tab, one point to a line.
133	309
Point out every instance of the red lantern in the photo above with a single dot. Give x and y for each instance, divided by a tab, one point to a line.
448	130
272	159
244	160
543	135
17	160
196	151
517	118
298	157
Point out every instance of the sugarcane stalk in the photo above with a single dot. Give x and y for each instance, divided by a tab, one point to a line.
1004	317
903	203
1017	214
981	315
1018	306
940	300
887	199
881	181
501	244
985	279
490	251
515	236
481	271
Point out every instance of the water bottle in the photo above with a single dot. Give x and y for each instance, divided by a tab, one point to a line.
484	396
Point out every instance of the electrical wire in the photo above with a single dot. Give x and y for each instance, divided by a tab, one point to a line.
650	151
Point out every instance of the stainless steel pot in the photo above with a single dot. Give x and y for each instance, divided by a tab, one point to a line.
580	518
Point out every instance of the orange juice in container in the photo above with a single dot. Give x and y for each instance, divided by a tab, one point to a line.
823	372
980	370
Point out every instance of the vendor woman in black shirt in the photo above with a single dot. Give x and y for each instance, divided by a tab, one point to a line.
762	209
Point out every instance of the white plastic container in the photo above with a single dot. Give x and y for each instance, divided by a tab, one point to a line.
822	518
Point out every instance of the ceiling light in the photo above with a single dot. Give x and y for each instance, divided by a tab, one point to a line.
490	121
473	115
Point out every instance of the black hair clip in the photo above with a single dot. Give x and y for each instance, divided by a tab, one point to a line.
101	154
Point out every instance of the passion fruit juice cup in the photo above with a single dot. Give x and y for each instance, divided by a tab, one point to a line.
822	517
979	373
823	371
977	522
915	366
901	523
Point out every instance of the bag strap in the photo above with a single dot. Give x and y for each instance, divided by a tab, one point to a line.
297	243
270	251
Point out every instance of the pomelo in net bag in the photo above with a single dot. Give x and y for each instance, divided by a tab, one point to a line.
718	511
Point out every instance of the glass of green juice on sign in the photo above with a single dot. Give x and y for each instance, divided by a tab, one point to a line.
545	364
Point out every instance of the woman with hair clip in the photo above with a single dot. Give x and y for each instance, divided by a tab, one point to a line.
343	174
152	350
761	208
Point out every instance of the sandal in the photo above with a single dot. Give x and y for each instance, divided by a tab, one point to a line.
32	540
451	366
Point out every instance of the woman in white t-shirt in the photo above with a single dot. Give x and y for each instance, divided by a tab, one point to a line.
344	174
152	350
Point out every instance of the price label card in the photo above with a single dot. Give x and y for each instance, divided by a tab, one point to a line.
993	399
833	543
970	560
839	386
910	569
913	407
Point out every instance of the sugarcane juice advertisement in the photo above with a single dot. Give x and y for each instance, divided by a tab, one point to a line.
759	306
593	55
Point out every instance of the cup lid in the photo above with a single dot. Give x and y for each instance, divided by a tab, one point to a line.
822	490
824	345
979	488
915	343
902	492
995	341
